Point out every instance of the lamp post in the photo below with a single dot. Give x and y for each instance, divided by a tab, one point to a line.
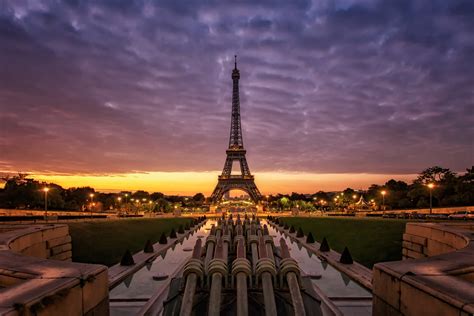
383	199
45	190
430	187
119	199
92	202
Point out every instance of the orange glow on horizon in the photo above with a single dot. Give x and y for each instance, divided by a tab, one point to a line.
189	183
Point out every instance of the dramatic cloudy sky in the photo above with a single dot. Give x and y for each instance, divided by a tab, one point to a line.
110	87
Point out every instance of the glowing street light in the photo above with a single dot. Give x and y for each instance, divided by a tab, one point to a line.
45	190
92	202
431	186
354	196
383	198
119	200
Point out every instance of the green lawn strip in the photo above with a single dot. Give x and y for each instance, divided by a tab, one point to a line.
369	240
104	242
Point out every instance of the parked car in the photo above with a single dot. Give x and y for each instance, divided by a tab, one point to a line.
389	215
403	215
465	215
437	216
416	215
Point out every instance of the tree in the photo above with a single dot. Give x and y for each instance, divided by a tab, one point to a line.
156	196
434	174
140	195
76	198
321	195
199	197
162	205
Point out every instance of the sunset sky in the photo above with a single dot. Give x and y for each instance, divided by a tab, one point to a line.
137	94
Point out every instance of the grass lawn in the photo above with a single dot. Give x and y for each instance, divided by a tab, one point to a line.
369	240
105	242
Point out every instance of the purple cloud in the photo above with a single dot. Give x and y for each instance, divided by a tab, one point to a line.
331	86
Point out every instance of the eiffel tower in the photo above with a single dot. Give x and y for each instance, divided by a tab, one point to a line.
236	152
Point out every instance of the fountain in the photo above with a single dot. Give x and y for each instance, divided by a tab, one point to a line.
240	271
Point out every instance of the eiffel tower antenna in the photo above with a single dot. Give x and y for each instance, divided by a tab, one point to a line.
236	152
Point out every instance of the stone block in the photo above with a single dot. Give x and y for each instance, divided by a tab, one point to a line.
412	246
414	254
56	232
95	290
68	302
418	230
63	256
379	307
415	239
452	239
414	301
59	249
58	241
101	309
438	235
26	241
435	248
386	287
37	250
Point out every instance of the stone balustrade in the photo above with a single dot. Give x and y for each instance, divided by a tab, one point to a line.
37	277
441	279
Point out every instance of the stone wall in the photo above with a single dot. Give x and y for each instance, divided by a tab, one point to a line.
33	284
420	241
47	242
436	277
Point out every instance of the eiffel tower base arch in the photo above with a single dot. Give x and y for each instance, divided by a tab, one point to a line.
225	184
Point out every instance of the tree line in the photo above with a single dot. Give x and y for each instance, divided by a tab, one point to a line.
23	192
449	189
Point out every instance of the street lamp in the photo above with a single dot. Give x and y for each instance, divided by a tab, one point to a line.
383	199
431	186
45	190
354	196
119	199
92	201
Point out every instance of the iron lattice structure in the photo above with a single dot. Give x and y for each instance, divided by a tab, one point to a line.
236	152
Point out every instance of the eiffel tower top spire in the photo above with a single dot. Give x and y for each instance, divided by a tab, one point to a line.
235	140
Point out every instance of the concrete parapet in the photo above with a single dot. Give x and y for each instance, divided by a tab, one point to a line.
34	285
439	282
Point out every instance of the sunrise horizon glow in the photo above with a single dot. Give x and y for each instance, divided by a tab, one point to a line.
189	183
